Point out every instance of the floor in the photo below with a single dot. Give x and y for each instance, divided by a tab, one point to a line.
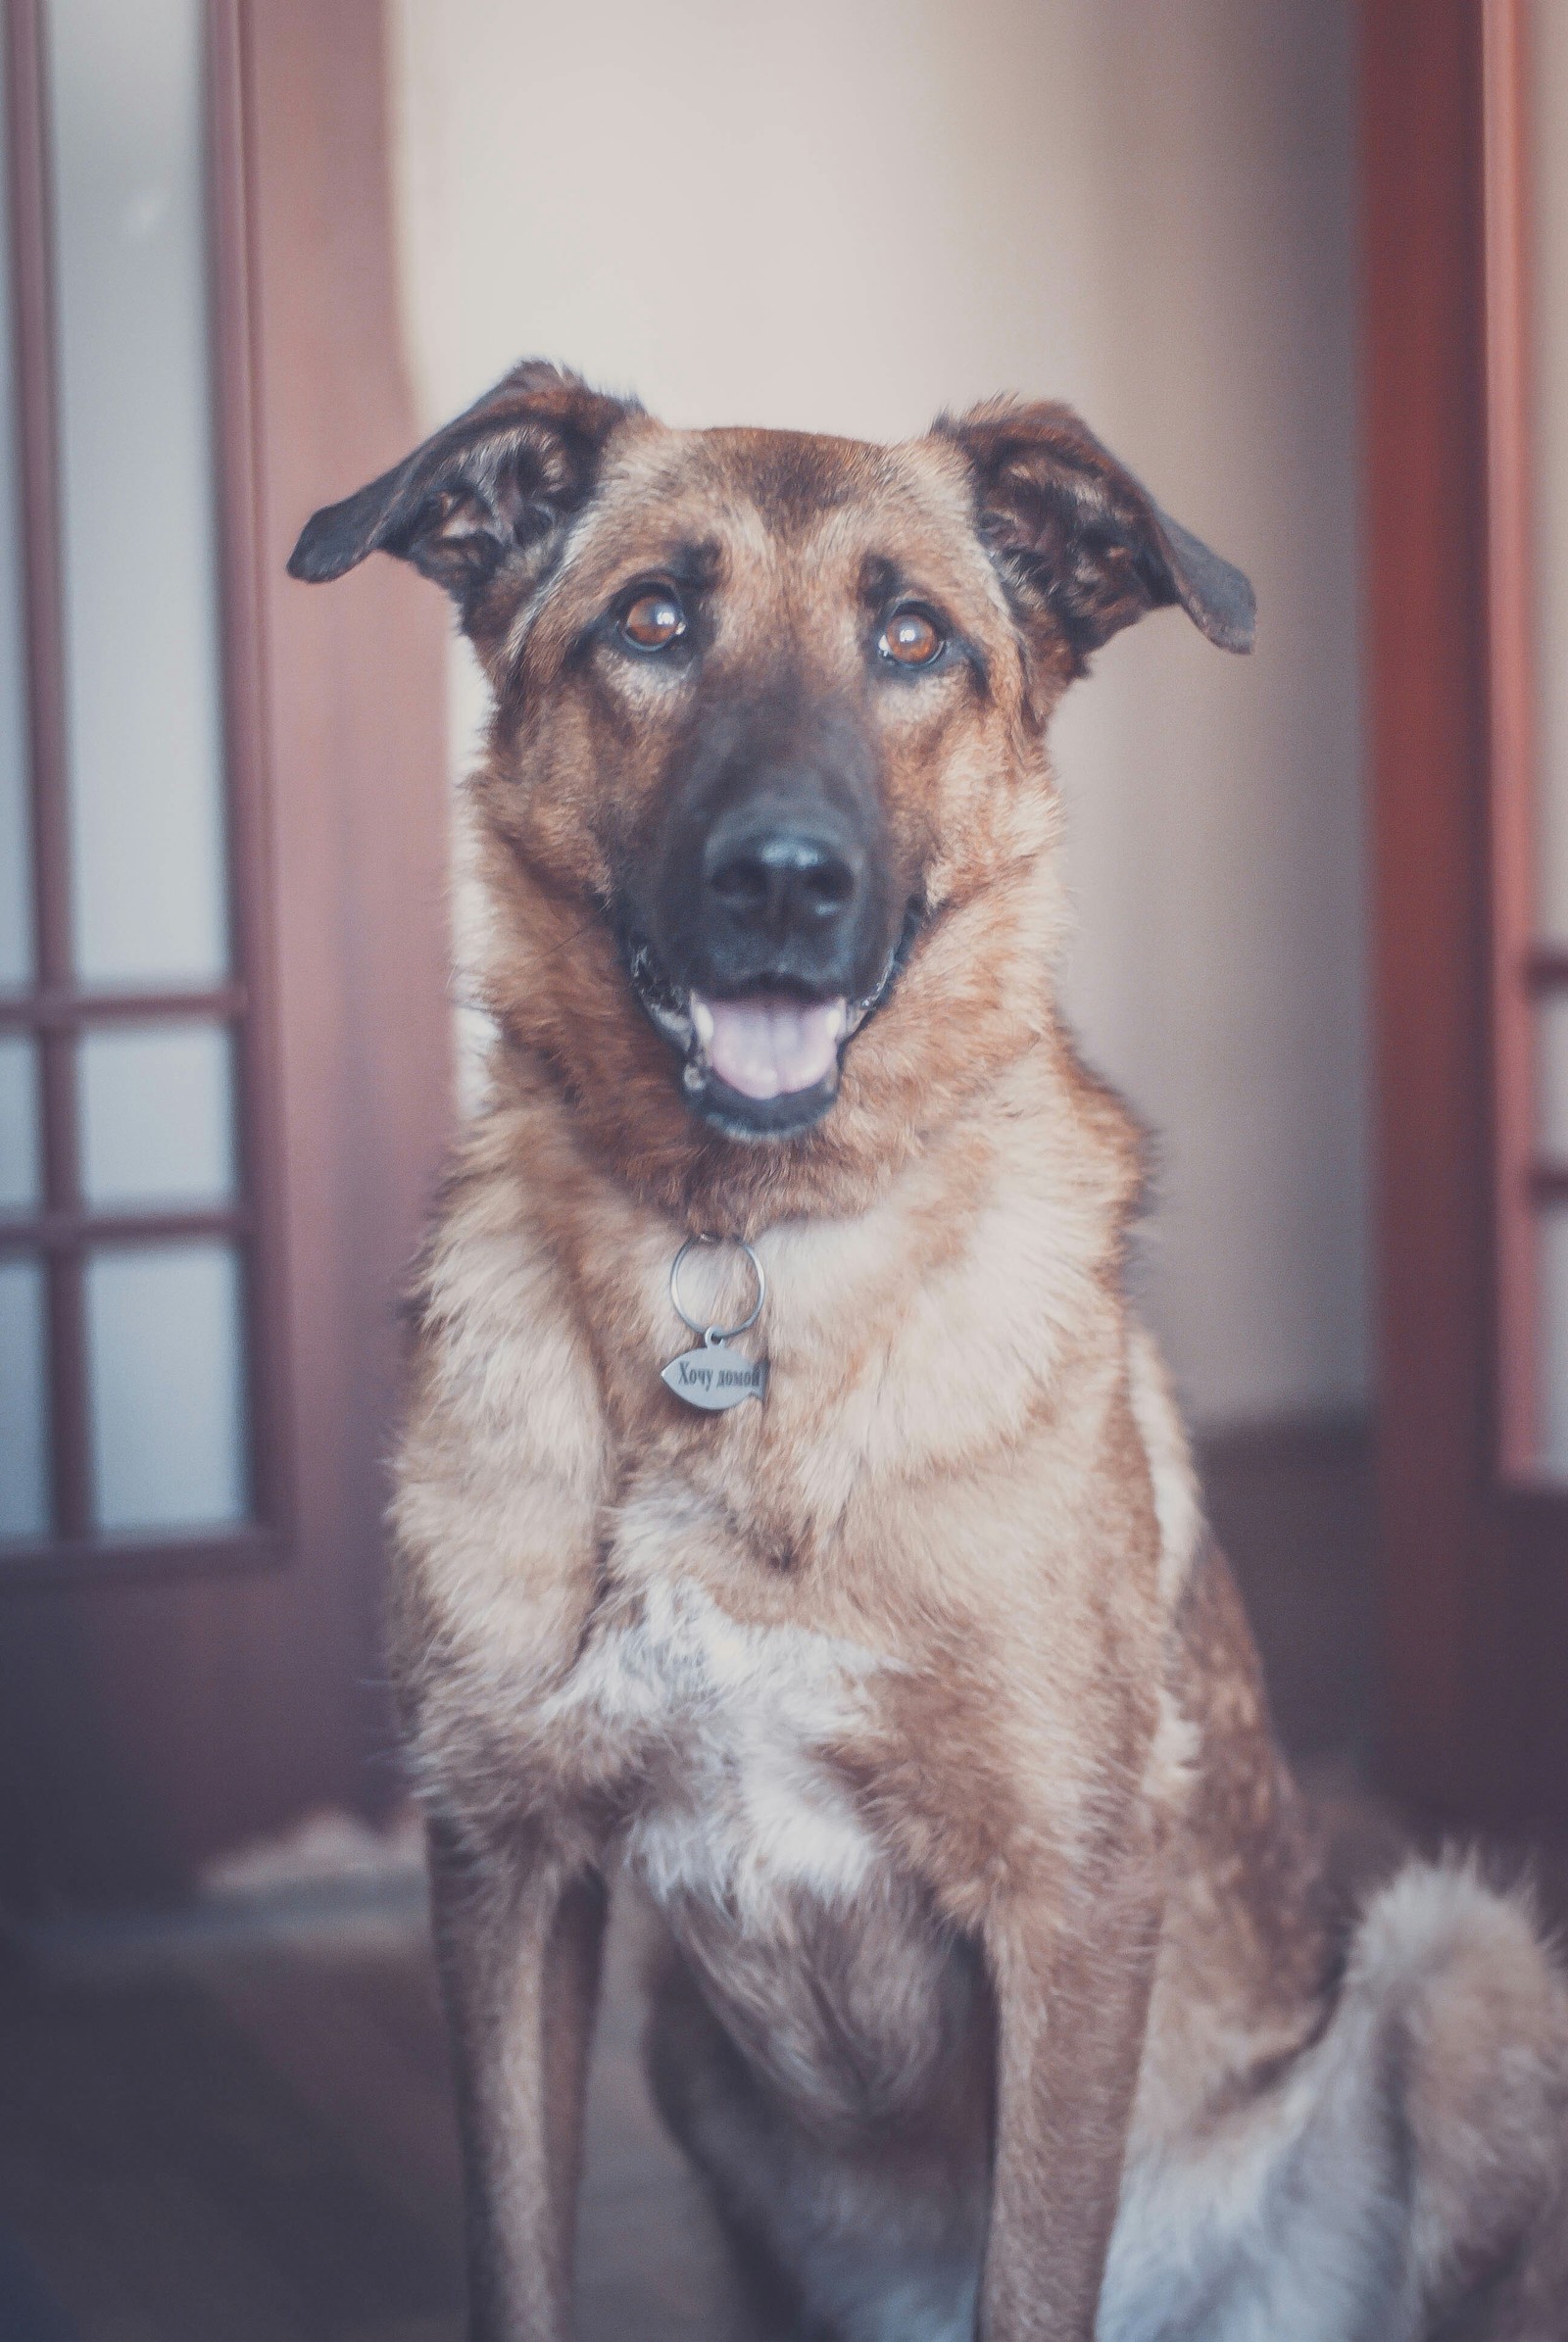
240	2131
236	2126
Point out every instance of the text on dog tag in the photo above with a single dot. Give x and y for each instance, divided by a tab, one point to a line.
714	1378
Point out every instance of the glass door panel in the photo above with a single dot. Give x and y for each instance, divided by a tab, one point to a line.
126	1235
1547	228
24	1414
18	1123
156	1116
16	855
1552	1417
1545	235
167	1387
136	444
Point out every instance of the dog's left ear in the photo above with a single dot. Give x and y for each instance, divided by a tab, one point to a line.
479	506
1079	543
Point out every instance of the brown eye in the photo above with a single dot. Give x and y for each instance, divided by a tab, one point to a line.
910	639
653	620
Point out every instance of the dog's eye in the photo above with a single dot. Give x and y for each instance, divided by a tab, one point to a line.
653	620
911	638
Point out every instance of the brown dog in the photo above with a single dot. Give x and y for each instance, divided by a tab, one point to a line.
1005	1984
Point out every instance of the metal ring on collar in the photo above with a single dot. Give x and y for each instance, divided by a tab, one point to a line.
716	1334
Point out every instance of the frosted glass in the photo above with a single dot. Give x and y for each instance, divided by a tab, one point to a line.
18	1123
137	454
1551	1109
1552	1078
15	907
1553	1345
157	1115
1548	240
1549	230
165	1387
24	1439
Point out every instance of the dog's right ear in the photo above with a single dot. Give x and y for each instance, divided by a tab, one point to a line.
481	505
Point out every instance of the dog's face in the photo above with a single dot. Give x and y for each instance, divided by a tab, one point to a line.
769	708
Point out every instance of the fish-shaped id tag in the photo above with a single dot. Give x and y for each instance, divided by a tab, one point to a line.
712	1376
715	1377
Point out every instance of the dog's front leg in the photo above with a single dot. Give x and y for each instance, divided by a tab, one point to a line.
518	1934
1071	1980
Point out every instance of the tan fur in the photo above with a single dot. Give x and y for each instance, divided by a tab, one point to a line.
917	1698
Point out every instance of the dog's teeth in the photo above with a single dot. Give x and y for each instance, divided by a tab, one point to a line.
701	1020
693	1077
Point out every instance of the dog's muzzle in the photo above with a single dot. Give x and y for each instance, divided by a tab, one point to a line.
770	926
764	1063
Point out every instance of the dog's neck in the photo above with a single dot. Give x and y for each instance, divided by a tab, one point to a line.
980	1285
1017	1207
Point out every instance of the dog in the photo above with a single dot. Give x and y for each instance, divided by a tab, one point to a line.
1008	1986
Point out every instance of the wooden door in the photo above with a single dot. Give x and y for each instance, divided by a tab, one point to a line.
225	1094
1469	1195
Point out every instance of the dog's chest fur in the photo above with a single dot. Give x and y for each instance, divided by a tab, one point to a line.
750	1842
731	1722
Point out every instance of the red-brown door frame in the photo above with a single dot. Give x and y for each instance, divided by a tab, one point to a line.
1477	1558
152	1715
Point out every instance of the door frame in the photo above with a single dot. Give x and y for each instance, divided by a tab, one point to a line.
1476	1551
158	1711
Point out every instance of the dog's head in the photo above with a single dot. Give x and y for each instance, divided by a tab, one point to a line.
769	717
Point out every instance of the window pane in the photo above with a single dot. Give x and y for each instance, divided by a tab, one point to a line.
1548	240
24	1458
1552	1077
18	1123
157	1115
1548	232
164	1354
1553	1345
136	453
15	909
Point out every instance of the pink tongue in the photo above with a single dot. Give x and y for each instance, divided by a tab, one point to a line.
769	1045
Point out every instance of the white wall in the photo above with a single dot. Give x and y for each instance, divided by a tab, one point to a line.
847	214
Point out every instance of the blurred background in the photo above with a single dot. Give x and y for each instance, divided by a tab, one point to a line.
1303	264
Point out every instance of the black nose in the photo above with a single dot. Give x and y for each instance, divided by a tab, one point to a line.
785	875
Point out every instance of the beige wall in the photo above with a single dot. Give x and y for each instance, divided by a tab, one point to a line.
845	215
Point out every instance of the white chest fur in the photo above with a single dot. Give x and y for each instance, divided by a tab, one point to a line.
735	1723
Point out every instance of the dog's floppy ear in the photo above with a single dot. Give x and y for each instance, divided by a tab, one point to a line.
485	496
1078	541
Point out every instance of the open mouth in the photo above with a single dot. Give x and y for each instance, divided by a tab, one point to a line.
765	1061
